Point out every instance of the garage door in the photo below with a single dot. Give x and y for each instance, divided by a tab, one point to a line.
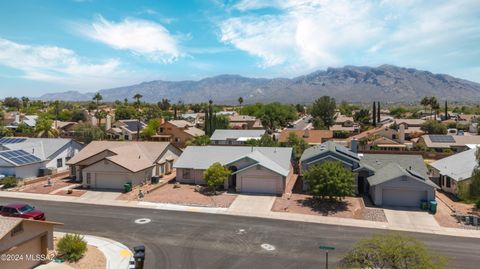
259	185
109	181
33	246
397	197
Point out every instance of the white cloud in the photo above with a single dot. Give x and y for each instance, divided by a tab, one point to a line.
141	37
303	35
61	66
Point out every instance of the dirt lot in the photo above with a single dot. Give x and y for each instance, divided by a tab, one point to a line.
448	205
93	259
350	207
40	187
186	195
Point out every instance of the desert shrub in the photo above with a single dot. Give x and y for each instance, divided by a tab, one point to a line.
9	182
72	247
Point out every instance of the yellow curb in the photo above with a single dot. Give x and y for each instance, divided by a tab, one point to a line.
125	253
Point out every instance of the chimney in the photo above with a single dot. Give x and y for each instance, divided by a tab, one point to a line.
17	117
401	133
354	145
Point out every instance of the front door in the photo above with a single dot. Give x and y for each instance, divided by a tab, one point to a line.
361	185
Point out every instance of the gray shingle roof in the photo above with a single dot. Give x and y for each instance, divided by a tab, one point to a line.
328	146
378	161
201	157
459	166
394	170
224	134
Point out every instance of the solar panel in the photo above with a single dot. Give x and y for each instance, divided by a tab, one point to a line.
11	140
20	157
442	139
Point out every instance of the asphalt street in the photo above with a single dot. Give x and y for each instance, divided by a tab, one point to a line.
196	240
301	125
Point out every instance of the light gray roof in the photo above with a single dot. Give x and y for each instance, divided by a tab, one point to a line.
264	161
201	157
392	171
459	166
328	146
42	148
225	134
411	162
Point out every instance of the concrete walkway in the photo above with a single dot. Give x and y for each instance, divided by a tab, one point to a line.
255	212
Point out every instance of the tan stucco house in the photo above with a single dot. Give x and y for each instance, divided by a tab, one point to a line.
111	164
26	238
178	132
254	169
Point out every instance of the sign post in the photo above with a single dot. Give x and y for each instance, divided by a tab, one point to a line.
326	248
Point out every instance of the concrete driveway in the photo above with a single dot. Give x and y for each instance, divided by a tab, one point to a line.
410	218
252	203
101	195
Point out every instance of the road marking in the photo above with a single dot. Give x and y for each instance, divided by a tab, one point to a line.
267	247
241	231
142	221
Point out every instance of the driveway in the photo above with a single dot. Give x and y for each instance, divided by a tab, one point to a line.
410	218
252	203
101	195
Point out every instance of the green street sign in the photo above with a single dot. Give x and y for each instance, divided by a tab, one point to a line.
326	248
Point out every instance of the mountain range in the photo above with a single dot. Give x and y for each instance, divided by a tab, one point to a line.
386	83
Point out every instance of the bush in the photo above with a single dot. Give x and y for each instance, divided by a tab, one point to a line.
71	247
477	204
9	182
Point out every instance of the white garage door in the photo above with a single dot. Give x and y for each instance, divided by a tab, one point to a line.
259	185
109	181
398	197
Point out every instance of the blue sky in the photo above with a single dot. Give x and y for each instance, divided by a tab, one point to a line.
87	45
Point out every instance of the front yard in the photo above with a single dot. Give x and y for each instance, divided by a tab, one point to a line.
58	184
350	207
184	194
448	206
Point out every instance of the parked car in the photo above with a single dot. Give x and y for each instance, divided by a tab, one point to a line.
21	210
290	125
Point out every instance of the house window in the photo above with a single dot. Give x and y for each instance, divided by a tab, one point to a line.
60	162
186	173
88	178
177	139
161	130
394	136
448	182
68	158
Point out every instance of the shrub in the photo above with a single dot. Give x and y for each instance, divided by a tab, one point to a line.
9	182
71	247
477	204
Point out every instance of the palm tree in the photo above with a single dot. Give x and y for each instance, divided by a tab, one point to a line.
97	98
44	128
240	101
137	103
433	104
100	114
425	102
137	97
25	102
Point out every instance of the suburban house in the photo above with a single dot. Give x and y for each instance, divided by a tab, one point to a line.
125	129
344	124
389	180
312	137
454	172
178	132
65	128
25	238
24	157
244	122
111	164
456	143
235	136
254	169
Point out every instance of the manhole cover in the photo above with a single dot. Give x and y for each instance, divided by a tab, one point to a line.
268	247
142	221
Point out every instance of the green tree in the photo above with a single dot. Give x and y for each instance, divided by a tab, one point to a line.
298	144
216	175
362	117
265	141
23	128
125	112
151	129
12	103
425	102
100	114
78	115
318	124
44	127
324	108
97	98
201	140
433	127
87	133
164	104
392	251
138	98
240	101
470	191
25	102
330	179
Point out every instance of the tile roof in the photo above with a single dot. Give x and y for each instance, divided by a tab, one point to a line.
132	155
194	131
7	224
180	123
459	166
310	136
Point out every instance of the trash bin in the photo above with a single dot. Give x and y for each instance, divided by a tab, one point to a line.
424	205
155	180
433	206
127	187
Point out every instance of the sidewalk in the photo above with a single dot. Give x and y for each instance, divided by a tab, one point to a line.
259	213
116	254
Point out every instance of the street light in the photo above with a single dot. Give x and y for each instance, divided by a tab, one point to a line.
326	248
